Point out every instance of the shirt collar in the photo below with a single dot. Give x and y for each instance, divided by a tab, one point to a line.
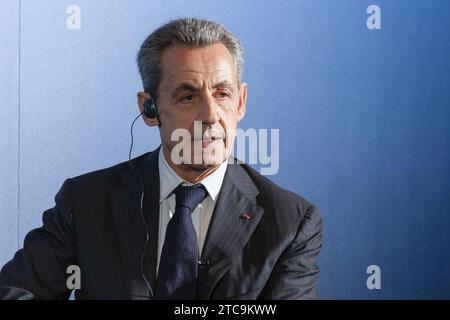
169	180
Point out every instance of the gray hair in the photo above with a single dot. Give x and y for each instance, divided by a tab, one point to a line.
190	32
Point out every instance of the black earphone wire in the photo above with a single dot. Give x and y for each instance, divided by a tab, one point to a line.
141	207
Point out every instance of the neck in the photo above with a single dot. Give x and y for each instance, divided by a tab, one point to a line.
189	173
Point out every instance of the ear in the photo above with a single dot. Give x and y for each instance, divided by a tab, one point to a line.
141	97
240	112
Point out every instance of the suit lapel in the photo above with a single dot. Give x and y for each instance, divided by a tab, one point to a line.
130	229
235	216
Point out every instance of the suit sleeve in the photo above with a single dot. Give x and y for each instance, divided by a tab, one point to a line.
38	271
296	272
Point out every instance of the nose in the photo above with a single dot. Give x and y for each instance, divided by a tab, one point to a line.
209	111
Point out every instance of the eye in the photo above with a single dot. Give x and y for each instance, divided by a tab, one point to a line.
187	99
222	95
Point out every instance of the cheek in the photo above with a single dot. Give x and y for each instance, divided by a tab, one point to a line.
178	120
169	124
228	119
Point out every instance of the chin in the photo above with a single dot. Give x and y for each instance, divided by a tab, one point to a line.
202	167
209	161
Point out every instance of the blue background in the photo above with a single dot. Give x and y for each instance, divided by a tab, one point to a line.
363	118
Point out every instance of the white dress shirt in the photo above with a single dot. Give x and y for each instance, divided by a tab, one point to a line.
201	216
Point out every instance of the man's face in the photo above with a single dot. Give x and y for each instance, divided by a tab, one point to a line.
201	85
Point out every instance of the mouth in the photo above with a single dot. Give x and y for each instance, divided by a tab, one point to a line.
206	142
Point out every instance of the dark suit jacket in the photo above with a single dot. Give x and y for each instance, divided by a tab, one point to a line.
96	224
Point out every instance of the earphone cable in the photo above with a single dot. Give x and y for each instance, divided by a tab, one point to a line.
141	206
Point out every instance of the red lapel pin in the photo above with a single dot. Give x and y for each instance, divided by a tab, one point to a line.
245	215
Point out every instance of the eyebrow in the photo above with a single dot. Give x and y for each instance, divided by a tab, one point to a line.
192	88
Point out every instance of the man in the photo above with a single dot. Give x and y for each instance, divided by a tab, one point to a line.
168	227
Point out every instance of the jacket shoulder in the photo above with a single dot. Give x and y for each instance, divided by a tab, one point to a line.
274	196
110	176
96	184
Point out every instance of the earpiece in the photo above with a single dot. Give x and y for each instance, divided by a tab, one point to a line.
150	109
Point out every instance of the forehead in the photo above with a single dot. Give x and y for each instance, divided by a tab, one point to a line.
197	64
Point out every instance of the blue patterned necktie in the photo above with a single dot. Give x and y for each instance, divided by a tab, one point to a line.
178	266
